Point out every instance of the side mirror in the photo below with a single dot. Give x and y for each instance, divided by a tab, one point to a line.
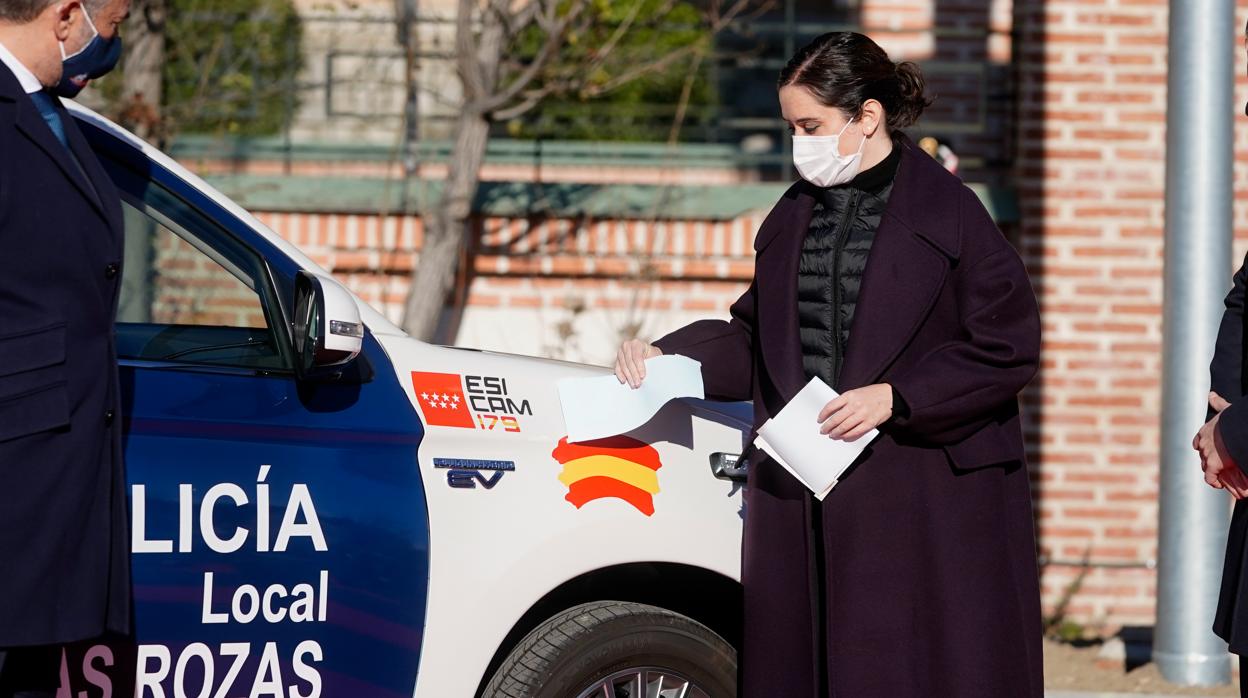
328	332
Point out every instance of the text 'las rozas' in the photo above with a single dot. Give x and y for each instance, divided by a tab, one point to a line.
298	521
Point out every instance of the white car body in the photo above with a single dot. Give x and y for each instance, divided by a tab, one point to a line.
501	546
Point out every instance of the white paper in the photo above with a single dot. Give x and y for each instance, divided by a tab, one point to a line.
792	438
595	408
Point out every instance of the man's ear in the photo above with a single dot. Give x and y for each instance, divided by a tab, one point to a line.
872	117
65	15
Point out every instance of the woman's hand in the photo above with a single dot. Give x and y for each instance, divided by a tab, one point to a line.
630	361
857	412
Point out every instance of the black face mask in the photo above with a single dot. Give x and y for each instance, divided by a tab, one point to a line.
92	61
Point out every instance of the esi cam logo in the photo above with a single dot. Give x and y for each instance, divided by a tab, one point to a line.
469	402
468	474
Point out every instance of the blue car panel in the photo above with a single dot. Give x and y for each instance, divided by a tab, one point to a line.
281	534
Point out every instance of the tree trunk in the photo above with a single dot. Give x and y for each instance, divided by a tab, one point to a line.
447	230
449	225
142	91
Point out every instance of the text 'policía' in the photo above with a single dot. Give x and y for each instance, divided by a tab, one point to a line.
264	667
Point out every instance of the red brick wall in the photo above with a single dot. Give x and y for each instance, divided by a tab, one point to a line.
189	288
569	289
1090	172
1083	142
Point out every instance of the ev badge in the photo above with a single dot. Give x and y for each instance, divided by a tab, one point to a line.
466	473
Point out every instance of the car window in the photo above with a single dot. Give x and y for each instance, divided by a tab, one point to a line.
190	293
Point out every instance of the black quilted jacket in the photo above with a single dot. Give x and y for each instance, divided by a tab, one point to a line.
834	256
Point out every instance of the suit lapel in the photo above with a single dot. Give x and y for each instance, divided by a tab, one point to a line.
31	124
100	182
906	270
27	120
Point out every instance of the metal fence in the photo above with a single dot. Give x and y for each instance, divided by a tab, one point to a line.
350	87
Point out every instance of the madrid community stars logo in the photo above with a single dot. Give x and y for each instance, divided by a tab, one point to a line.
442	402
617	468
441	398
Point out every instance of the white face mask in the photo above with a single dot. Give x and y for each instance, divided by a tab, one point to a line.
819	161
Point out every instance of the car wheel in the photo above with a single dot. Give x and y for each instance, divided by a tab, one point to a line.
613	649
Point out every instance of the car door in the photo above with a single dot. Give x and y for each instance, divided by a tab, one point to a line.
279	527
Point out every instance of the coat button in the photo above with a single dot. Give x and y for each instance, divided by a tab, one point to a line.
108	418
110	271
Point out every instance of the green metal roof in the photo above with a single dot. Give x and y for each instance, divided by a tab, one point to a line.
499	151
514	199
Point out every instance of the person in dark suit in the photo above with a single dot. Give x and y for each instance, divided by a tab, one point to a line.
1223	446
882	274
64	546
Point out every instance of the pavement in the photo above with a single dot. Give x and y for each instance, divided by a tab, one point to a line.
1085	694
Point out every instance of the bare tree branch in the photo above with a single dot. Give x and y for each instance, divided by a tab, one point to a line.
492	41
639	71
554	40
199	99
686	95
547	20
520	20
620	32
720	21
499	89
501	9
470	73
531	100
601	56
556	32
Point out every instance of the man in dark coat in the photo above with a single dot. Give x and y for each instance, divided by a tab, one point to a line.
64	558
1223	444
928	564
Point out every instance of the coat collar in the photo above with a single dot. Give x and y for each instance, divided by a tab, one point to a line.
10	88
927	210
916	244
31	125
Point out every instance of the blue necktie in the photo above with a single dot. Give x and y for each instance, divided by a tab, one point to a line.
47	108
43	101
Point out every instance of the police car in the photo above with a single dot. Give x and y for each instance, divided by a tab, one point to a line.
324	506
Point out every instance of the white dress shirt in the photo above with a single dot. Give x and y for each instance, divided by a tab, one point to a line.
27	79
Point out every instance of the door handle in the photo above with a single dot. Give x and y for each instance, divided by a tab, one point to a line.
729	466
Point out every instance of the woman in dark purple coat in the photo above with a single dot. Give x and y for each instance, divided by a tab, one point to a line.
882	274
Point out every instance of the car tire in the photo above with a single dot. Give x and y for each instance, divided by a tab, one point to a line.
589	644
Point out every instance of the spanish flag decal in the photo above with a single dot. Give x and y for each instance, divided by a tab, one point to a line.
617	467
